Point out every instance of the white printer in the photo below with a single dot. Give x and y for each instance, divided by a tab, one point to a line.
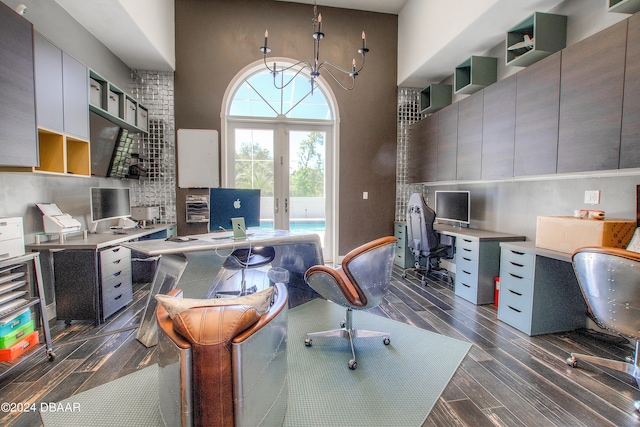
55	221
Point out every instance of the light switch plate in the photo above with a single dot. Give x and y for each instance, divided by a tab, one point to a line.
592	197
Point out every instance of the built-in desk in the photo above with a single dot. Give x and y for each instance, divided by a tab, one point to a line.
90	278
539	292
477	259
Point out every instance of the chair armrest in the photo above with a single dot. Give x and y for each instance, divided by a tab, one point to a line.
166	324
634	256
280	303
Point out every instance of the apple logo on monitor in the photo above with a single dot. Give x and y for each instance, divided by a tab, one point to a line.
236	204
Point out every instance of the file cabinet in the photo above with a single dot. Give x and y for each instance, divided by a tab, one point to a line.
539	292
404	258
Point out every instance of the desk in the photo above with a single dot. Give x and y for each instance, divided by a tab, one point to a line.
194	266
91	278
477	259
539	292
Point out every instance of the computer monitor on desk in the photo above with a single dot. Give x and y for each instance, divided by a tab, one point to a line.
228	203
453	206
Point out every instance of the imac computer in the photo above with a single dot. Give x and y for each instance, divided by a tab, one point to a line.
453	206
109	204
228	203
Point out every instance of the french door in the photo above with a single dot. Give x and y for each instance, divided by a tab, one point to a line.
290	162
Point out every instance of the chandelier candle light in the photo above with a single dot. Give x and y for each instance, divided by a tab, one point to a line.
315	66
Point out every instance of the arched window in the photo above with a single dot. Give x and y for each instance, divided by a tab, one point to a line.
284	142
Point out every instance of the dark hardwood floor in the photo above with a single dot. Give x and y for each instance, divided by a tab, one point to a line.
507	379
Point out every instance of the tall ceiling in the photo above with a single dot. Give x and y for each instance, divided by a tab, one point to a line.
433	34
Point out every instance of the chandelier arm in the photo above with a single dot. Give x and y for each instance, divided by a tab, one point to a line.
274	70
353	79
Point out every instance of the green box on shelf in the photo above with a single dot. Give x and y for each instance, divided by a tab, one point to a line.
536	37
623	6
435	97
475	73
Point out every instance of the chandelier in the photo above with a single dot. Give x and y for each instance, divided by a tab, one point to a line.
315	65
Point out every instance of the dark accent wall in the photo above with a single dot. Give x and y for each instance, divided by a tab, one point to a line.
216	39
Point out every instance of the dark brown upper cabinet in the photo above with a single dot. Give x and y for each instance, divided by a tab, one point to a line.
630	136
469	156
591	91
498	129
537	107
447	142
18	139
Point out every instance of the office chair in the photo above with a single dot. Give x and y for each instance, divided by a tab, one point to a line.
424	242
242	260
360	283
610	282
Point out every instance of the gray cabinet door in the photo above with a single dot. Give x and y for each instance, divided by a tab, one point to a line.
49	94
18	138
537	106
498	129
629	146
447	142
469	156
75	78
430	149
591	88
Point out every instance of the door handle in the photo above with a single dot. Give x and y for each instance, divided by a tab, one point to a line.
286	205
277	206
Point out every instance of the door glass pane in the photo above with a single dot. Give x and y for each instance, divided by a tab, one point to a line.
254	167
307	182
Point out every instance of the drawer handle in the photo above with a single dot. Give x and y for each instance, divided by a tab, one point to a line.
514	309
516	276
117	262
468	241
117	274
465	249
516	264
115	249
117	286
19	334
118	297
466	259
514	292
15	323
465	272
464	284
517	252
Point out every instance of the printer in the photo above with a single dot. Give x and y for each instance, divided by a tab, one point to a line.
55	221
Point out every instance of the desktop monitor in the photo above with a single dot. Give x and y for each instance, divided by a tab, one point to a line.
453	206
109	203
227	203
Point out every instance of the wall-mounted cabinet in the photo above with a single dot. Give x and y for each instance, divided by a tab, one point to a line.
115	105
475	73
536	37
435	97
18	138
629	153
623	6
469	156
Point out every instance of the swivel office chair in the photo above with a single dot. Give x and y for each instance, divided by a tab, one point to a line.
360	283
424	242
242	260
610	282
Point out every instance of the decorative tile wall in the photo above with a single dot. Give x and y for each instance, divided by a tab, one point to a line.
157	150
408	113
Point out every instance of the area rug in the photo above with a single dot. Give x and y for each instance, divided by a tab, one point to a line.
394	385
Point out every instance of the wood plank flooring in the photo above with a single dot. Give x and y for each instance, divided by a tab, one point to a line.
507	379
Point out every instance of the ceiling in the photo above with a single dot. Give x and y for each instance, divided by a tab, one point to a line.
382	6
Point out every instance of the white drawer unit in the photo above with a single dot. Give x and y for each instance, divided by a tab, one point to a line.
115	285
404	258
11	238
538	294
467	259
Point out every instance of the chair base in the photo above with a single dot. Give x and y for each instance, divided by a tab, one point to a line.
421	273
347	332
632	369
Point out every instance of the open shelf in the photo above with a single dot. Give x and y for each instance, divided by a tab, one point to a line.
115	105
435	97
78	157
475	73
537	37
623	6
52	152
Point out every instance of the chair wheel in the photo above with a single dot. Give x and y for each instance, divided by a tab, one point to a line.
307	342
572	361
352	364
386	341
342	324
423	282
51	355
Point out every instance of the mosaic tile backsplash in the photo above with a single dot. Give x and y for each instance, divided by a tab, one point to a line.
157	150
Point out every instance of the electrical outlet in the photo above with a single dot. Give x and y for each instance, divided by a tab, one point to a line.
592	197
365	195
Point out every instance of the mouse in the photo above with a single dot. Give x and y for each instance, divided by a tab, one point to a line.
178	239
